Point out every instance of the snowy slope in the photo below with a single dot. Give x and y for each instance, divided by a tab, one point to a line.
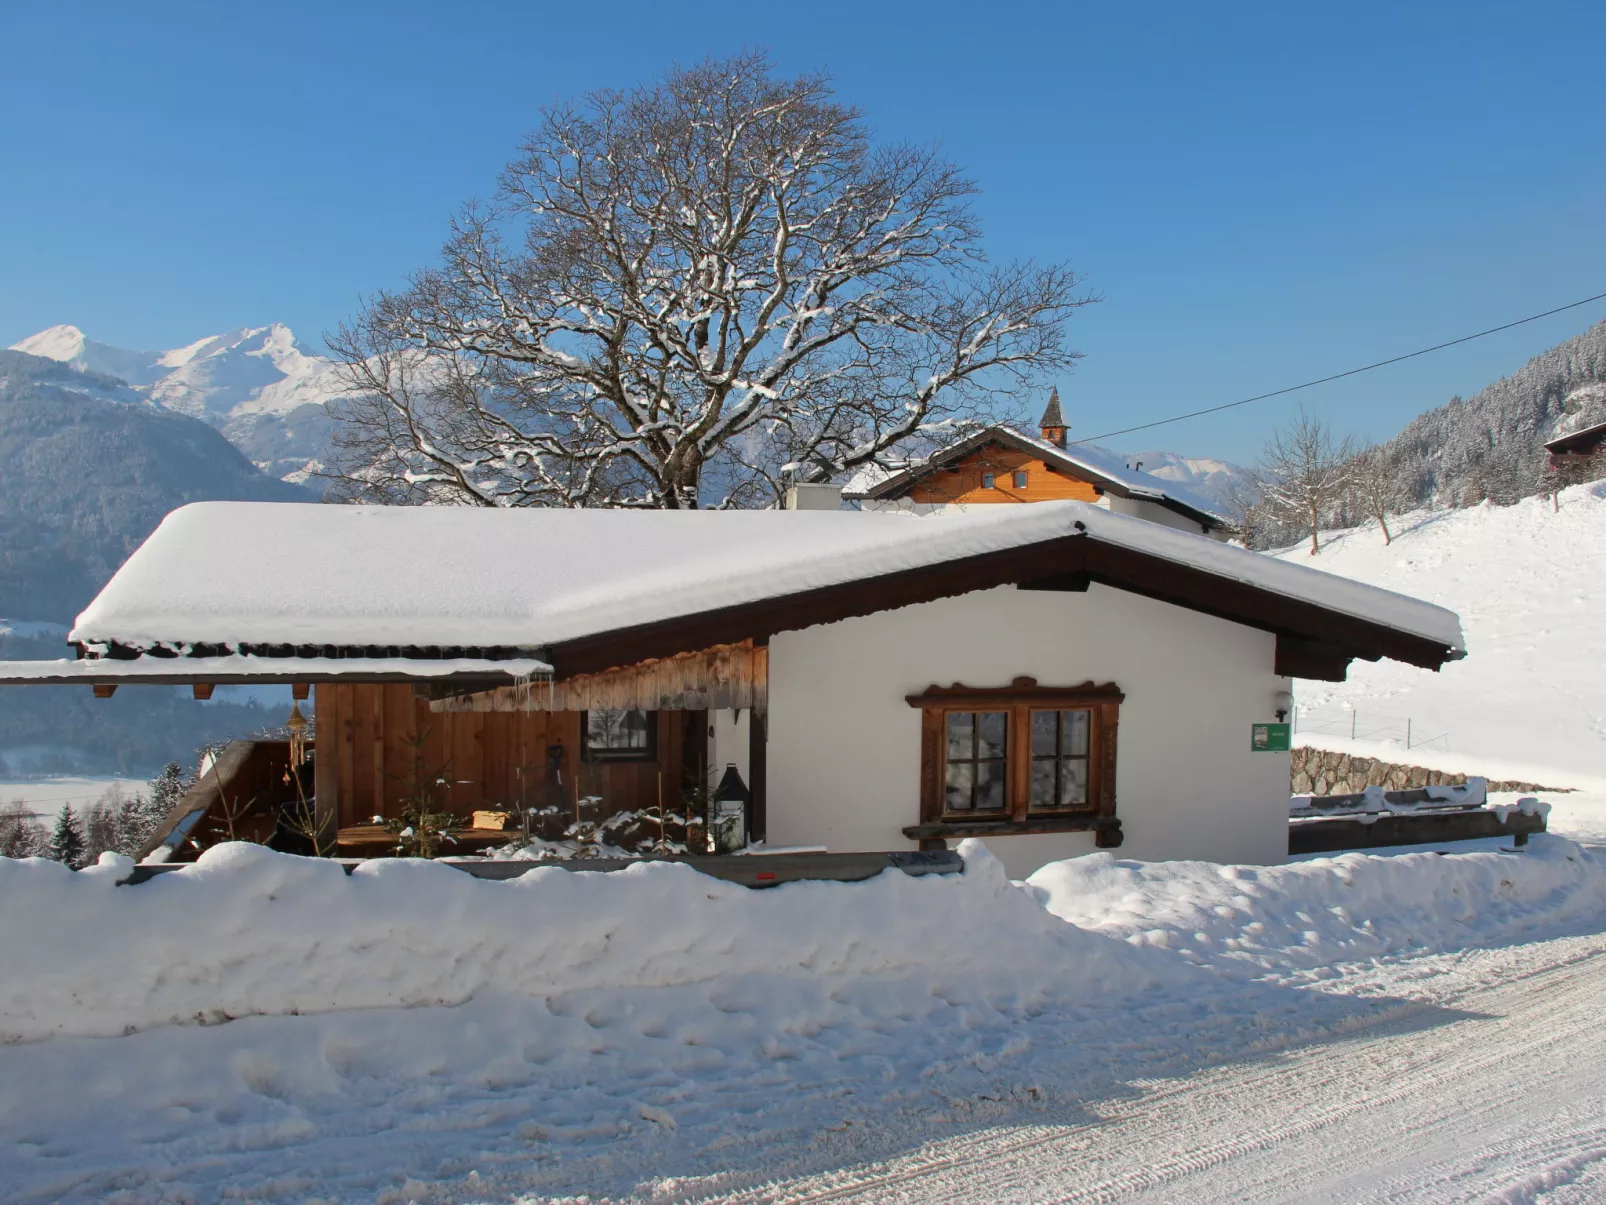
254	384
1530	587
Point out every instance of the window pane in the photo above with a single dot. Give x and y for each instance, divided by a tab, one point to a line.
616	729
990	732
1020	479
1043	783
1073	783
632	730
990	785
986	481
960	779
1045	734
1073	732
961	726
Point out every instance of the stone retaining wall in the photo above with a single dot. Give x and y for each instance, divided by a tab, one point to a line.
1323	772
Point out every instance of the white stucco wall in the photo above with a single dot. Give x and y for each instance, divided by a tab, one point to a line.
728	743
844	746
1142	508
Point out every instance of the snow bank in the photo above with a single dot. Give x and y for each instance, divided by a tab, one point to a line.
1317	916
249	931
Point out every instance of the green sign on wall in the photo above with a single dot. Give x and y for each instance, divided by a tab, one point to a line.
1269	738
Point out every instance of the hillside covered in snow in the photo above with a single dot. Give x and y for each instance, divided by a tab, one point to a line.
1528	581
1491	445
255	385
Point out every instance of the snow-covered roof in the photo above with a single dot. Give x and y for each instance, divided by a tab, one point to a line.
1104	466
1577	437
233	573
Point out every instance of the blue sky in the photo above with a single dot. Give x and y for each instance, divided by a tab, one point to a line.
1261	193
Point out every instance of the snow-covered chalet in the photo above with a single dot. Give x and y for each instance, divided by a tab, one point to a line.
1053	678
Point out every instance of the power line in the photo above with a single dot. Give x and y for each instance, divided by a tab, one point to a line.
1338	376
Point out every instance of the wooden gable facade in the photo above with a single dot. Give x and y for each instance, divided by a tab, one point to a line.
1006	470
995	472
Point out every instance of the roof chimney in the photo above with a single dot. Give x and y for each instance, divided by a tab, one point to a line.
1053	422
814	497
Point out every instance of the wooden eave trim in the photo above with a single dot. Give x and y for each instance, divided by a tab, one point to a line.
763	618
1110	564
474	680
1022	691
1250	605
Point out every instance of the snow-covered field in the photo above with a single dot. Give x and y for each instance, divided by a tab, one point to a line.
413	1034
1401	1026
1529	700
45	797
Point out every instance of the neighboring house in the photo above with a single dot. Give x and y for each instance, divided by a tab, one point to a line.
1000	464
1053	678
1583	444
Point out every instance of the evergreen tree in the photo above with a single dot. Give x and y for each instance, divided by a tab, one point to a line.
21	836
167	788
67	843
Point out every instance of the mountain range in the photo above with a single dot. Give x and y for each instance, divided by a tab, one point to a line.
268	397
88	467
255	385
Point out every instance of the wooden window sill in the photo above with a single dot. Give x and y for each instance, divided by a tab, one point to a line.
1106	828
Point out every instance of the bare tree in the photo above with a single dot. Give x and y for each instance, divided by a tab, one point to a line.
1303	472
687	294
1375	485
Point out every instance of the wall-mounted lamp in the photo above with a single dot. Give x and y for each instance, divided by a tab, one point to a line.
1282	703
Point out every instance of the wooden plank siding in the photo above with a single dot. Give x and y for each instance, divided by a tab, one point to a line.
724	676
380	741
961	481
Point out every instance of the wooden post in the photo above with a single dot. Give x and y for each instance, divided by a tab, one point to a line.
299	691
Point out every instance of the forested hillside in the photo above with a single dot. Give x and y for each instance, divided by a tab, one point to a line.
1491	445
87	470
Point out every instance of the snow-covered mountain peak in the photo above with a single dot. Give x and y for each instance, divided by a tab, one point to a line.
253	383
246	371
60	342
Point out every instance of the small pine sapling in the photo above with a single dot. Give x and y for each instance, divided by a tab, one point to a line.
423	823
67	842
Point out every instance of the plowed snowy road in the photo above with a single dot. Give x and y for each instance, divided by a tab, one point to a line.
1502	1100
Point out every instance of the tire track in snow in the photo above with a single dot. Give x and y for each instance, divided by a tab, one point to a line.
1461	1100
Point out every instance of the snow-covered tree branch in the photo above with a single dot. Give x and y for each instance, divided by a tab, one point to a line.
684	295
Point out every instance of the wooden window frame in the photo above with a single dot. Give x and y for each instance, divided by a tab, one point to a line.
989	480
597	757
1019	699
1019	478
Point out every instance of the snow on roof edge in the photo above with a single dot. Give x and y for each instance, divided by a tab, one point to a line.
588	573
